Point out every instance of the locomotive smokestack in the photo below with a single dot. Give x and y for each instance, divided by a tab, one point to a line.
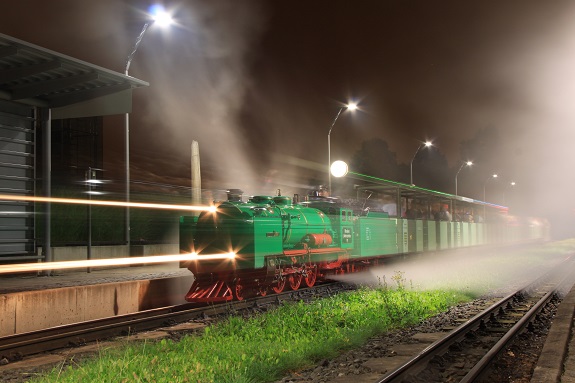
235	195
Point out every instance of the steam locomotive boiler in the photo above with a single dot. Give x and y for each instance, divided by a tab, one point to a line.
275	242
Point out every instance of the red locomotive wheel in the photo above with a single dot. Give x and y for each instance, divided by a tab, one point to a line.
239	291
279	286
311	276
295	281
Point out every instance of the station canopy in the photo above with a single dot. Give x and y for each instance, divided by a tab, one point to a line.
71	88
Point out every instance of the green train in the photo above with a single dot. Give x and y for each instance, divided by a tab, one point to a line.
278	242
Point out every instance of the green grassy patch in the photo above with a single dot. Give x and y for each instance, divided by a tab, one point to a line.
265	347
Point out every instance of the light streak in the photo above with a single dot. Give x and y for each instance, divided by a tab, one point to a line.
7	197
27	267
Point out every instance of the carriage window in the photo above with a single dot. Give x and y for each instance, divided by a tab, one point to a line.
343	215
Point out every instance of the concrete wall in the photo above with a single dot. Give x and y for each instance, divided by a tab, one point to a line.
34	310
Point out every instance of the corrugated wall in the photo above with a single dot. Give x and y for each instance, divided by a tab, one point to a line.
17	176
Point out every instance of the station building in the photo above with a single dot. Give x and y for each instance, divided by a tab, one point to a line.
51	108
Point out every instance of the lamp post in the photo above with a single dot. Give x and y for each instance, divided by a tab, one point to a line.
468	163
426	144
162	18
494	176
352	107
511	185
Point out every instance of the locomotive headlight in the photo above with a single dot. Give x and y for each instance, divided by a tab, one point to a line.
338	169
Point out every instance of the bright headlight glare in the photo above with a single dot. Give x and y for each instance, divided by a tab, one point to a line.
338	169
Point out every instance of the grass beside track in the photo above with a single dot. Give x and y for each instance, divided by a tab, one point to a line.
265	347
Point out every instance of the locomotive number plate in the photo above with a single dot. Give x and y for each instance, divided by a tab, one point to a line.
346	235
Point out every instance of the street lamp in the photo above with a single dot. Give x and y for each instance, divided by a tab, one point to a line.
494	176
352	107
510	185
468	163
162	18
426	144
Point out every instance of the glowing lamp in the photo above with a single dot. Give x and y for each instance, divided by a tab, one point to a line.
160	16
338	169
351	106
426	144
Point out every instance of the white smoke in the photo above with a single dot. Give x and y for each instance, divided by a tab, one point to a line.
198	76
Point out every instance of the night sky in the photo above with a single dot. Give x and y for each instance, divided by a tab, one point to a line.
258	84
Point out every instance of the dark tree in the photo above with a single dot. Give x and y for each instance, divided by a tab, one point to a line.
375	159
431	170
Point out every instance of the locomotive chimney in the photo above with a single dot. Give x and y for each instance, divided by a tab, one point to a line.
295	198
235	195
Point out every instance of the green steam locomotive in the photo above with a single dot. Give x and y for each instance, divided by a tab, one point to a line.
278	242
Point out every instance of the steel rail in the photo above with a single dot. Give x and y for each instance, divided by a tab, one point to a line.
479	368
482	365
53	338
441	344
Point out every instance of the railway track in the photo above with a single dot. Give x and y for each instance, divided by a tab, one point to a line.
502	316
467	353
15	347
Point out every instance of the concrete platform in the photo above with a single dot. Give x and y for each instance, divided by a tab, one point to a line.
557	361
30	302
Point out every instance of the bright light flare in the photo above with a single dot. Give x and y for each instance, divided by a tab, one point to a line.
352	106
160	16
338	169
8	197
428	144
28	267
